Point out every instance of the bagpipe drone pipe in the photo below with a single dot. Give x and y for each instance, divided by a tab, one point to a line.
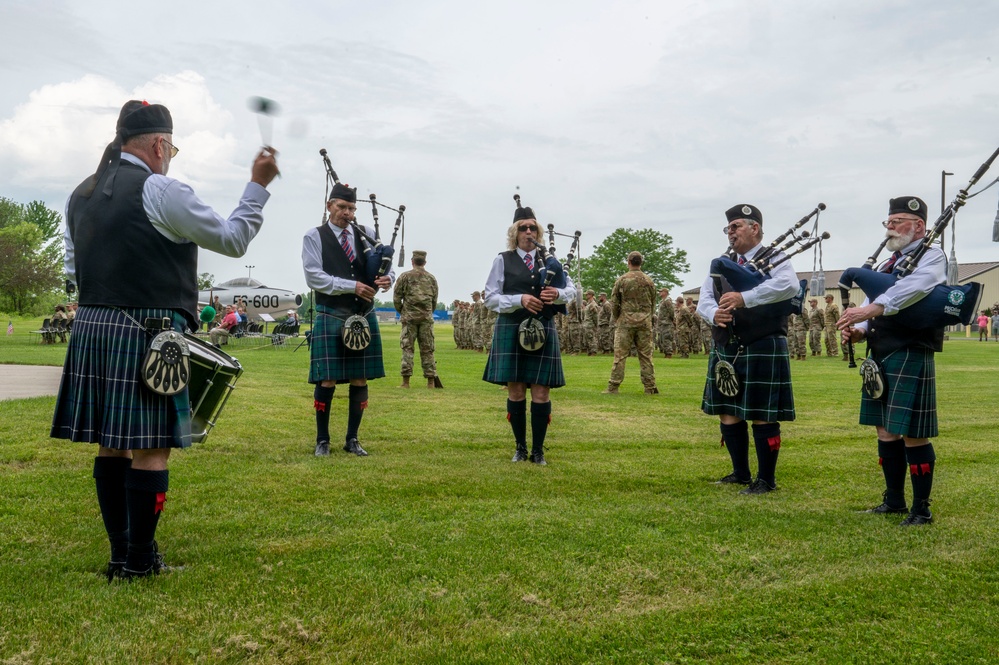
944	305
551	272
377	256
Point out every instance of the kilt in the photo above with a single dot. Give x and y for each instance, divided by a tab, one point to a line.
509	363
909	406
101	396
764	382
331	360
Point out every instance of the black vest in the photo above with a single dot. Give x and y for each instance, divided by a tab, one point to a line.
121	259
885	336
335	263
751	324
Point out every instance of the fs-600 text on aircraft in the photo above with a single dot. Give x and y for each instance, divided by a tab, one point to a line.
257	298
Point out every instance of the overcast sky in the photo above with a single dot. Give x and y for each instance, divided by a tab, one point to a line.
605	114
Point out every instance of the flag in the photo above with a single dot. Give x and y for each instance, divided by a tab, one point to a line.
10	328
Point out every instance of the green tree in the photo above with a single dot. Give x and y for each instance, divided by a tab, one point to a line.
31	255
608	261
206	281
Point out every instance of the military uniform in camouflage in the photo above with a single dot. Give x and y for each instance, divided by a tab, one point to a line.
633	300
414	297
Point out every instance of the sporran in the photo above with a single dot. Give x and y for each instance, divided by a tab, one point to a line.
531	334
356	332
166	367
725	377
873	378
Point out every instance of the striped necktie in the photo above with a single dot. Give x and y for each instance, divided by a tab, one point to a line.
742	260
345	243
530	262
892	261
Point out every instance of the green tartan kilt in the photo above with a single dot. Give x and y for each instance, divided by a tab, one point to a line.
764	374
331	360
909	405
101	396
509	363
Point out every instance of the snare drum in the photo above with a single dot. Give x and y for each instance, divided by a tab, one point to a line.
213	377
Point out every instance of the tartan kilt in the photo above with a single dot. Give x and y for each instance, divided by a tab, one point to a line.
101	396
509	363
764	382
909	407
331	360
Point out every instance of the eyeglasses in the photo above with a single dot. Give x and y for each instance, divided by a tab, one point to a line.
732	228
896	222
527	227
343	205
173	149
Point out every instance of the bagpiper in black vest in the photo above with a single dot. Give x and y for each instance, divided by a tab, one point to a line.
335	263
884	336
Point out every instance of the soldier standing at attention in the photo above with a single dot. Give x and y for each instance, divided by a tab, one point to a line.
414	297
684	322
666	323
634	301
606	324
800	333
694	332
832	335
591	325
475	321
816	322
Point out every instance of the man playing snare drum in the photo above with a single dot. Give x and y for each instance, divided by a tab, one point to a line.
132	238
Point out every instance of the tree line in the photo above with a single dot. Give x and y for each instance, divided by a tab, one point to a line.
31	257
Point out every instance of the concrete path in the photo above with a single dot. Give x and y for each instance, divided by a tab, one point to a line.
21	381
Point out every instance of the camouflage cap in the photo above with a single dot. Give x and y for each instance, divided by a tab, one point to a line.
419	254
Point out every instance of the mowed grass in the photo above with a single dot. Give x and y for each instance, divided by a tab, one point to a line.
437	549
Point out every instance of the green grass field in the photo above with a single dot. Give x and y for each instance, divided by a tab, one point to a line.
437	549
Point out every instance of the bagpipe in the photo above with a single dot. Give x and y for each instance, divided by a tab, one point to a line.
728	275
377	256
531	333
944	305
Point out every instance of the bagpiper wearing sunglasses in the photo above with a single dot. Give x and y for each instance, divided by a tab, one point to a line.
514	290
749	374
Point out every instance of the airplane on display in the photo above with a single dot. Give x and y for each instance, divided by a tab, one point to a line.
257	298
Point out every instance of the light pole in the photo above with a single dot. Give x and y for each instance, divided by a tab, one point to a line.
249	269
943	203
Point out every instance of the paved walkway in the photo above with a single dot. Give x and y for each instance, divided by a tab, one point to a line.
21	381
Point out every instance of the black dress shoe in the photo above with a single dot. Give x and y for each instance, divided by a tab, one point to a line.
520	455
354	446
114	570
538	457
322	448
885	509
917	519
156	567
759	486
732	479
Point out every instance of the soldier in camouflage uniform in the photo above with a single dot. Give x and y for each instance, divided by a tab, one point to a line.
572	328
666	324
800	334
477	320
694	332
414	297
832	334
606	324
705	334
591	325
454	323
684	322
634	301
489	322
816	322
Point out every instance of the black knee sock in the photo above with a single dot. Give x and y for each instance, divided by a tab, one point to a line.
358	402
736	440
145	493
516	414
541	413
921	460
323	401
109	476
767	440
891	457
